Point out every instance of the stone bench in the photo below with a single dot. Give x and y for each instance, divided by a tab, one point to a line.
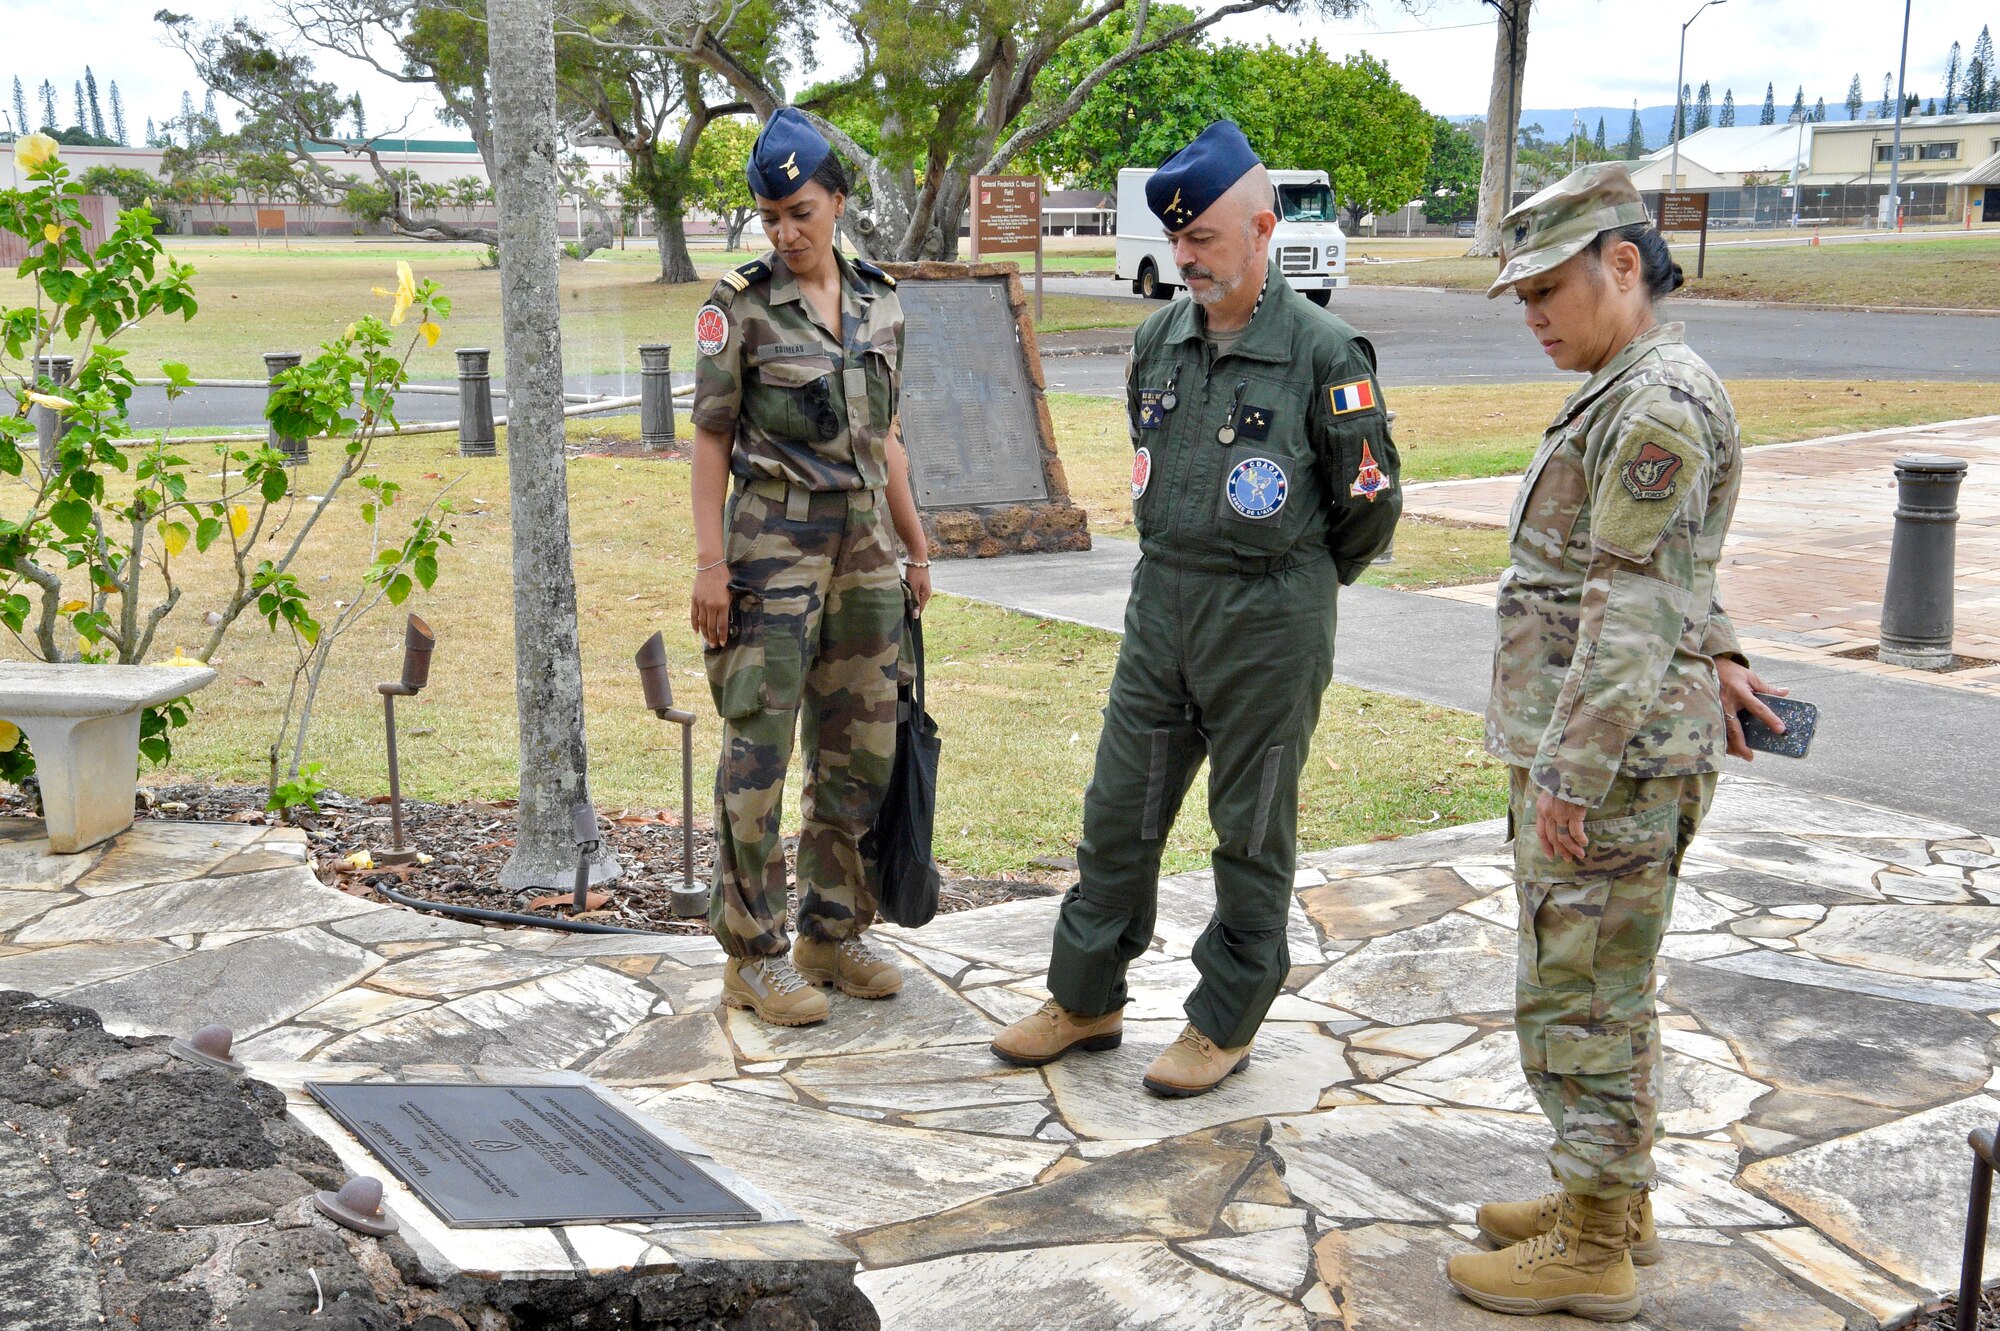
82	723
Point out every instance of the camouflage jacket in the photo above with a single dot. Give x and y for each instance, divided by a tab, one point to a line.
1609	622
1276	449
803	405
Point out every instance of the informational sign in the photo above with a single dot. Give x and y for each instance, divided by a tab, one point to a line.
486	1157
968	410
272	219
1007	219
1687	210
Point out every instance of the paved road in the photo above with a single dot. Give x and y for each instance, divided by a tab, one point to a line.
1905	745
1458	337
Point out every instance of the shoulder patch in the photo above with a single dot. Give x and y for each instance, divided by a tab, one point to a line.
1643	486
862	265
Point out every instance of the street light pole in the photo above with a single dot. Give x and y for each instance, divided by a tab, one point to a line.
1798	166
1680	103
1896	143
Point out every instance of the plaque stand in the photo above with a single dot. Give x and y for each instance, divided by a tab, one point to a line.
1041	517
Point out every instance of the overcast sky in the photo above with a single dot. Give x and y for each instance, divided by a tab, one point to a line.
1581	53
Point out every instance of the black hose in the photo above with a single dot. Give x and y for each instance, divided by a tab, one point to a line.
483	915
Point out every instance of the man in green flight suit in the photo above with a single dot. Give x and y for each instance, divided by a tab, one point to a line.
1263	479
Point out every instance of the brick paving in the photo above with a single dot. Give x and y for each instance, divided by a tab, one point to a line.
1808	556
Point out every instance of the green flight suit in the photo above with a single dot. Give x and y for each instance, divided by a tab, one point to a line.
1264	478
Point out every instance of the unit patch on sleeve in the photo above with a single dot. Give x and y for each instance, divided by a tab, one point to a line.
1650	474
1368	478
711	330
1357	396
1152	415
1142	471
1257	487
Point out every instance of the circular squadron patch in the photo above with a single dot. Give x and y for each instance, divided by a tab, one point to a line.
1256	488
1142	471
711	330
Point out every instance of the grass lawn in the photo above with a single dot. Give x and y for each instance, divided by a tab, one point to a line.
1951	274
253	301
1018	699
1462	431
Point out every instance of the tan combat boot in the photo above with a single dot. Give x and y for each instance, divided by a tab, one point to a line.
1192	1065
1581	1267
851	964
1506	1223
769	987
1052	1030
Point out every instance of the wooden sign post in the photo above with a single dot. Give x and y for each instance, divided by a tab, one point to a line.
272	217
1687	210
1007	219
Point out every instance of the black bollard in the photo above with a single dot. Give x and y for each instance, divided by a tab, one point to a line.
297	454
1972	1261
1916	607
49	426
656	396
475	404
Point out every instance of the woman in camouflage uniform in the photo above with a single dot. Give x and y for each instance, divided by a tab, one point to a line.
796	592
1617	680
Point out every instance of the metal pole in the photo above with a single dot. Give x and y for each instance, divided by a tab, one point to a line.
1917	603
1674	131
475	404
1798	169
395	784
1972	1264
49	425
297	452
656	396
1896	150
687	816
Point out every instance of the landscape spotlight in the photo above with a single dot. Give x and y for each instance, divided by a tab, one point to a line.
688	900
418	641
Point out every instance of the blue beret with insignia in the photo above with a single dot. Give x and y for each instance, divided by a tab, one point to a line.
785	155
1199	174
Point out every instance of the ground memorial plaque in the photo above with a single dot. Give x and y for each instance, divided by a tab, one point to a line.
486	1156
974	418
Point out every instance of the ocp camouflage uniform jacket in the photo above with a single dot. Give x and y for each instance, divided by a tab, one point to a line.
1609	624
802	406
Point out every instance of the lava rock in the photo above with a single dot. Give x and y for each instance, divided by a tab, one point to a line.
113	1199
158	1258
33	1086
25	1012
175	1310
152	1123
212	1206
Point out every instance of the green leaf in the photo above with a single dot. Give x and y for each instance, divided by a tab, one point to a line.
273	485
71	516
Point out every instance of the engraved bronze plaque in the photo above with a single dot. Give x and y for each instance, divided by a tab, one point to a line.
485	1157
968	410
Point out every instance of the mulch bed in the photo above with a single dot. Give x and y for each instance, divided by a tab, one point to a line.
1945	1317
468	843
613	446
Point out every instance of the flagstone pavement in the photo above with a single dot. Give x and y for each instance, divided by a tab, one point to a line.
1830	1010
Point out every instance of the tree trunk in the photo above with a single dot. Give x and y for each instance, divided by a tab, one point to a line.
548	671
1503	118
676	264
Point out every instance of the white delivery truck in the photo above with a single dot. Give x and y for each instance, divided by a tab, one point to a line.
1309	246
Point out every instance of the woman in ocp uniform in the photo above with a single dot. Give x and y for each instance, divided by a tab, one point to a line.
801	493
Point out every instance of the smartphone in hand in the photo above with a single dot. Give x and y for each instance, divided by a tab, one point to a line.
1801	720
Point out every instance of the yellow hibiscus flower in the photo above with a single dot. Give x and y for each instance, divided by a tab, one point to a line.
32	150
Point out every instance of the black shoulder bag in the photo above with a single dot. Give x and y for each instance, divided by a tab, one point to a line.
898	847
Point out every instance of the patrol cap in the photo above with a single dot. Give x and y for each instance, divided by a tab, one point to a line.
1560	222
1199	174
788	150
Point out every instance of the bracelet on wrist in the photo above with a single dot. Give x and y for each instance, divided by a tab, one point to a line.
703	568
916	563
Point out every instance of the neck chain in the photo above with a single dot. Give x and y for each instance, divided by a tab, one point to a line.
1262	292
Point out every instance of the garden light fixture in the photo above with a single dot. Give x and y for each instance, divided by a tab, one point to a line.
688	900
418	642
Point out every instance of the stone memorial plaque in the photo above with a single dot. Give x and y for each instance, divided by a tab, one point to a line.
968	410
486	1156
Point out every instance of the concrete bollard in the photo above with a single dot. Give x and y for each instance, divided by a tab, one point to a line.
1917	604
475	404
297	454
656	396
48	425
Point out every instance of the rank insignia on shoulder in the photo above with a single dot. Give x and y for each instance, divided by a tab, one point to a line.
1651	474
1369	481
862	265
1152	414
1357	396
1254	423
741	278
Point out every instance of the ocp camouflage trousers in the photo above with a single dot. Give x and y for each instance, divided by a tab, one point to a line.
1584	1009
817	627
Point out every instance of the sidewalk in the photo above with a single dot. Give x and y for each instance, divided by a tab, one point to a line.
1826	1016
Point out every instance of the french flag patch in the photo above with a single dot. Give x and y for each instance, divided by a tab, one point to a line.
1357	396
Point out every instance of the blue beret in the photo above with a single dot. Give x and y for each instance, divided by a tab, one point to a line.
785	155
1199	174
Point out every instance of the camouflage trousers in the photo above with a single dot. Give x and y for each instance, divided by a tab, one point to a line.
817	626
1584	991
